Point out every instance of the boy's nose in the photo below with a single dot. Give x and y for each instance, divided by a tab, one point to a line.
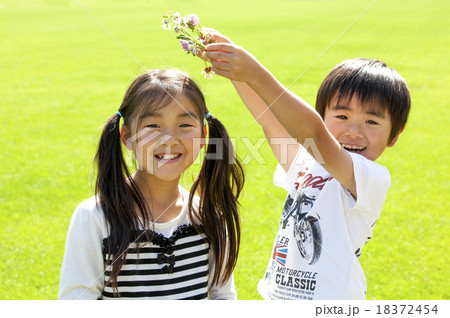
354	131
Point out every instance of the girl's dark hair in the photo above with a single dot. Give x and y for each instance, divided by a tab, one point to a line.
372	82
219	183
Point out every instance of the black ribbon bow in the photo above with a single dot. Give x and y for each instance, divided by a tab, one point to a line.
166	259
168	269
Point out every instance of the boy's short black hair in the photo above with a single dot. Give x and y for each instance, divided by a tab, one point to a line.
374	83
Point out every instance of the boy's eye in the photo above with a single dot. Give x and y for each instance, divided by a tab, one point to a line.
371	122
341	116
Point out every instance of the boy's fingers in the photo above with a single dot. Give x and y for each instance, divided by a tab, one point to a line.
202	54
224	47
221	72
222	56
218	37
222	65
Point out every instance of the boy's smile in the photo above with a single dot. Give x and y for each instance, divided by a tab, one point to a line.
361	129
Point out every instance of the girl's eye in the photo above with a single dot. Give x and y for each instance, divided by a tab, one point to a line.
185	125
153	126
341	116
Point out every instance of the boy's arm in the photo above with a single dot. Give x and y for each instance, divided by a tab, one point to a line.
283	146
299	119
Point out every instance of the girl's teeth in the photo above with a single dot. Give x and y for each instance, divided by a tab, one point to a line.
168	156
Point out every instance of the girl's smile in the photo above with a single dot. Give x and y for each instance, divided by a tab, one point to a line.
172	150
168	157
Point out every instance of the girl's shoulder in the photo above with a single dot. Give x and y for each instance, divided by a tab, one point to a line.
89	214
89	207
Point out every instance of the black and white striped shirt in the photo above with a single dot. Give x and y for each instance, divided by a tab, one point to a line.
168	268
175	264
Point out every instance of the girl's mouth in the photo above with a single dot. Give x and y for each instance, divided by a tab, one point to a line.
168	156
353	148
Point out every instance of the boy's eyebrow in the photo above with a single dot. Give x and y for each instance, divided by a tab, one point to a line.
340	107
375	113
372	111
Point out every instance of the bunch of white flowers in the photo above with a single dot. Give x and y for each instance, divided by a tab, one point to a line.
193	38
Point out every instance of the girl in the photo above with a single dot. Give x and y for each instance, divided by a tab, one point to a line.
142	235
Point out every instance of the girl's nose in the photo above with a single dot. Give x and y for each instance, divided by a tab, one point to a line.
170	138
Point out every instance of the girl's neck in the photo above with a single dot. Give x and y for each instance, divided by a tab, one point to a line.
162	197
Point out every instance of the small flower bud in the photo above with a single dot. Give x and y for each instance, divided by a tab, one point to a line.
193	20
185	45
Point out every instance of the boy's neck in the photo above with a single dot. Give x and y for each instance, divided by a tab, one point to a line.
162	197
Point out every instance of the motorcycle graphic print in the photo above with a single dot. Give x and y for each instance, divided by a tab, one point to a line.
307	232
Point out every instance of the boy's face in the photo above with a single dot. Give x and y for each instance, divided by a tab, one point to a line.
362	130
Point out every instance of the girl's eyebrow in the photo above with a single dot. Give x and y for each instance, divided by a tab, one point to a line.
180	115
188	114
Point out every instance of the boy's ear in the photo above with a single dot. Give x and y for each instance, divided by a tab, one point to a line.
392	143
125	137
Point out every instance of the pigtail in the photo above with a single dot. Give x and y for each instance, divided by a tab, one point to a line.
117	196
219	185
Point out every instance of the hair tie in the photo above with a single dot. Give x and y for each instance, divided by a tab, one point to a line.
119	113
207	115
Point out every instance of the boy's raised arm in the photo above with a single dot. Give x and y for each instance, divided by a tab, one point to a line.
283	146
298	118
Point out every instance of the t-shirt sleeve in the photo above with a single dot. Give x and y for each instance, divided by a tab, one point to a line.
372	184
82	272
284	179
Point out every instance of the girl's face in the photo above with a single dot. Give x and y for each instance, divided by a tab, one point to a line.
168	139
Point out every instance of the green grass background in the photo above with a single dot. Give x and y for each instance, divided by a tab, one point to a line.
62	76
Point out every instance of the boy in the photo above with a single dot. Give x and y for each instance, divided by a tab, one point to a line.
335	189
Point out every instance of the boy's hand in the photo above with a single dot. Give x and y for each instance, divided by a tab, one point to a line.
230	60
216	37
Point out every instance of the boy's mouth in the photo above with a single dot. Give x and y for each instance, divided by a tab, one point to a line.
168	156
353	148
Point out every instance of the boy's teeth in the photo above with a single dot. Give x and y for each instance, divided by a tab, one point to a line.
353	147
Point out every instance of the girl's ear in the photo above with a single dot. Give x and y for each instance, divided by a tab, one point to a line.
125	137
204	136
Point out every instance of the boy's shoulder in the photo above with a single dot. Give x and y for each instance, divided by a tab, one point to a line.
366	170
305	171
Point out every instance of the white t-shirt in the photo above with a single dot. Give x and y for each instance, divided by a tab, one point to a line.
177	264
322	231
